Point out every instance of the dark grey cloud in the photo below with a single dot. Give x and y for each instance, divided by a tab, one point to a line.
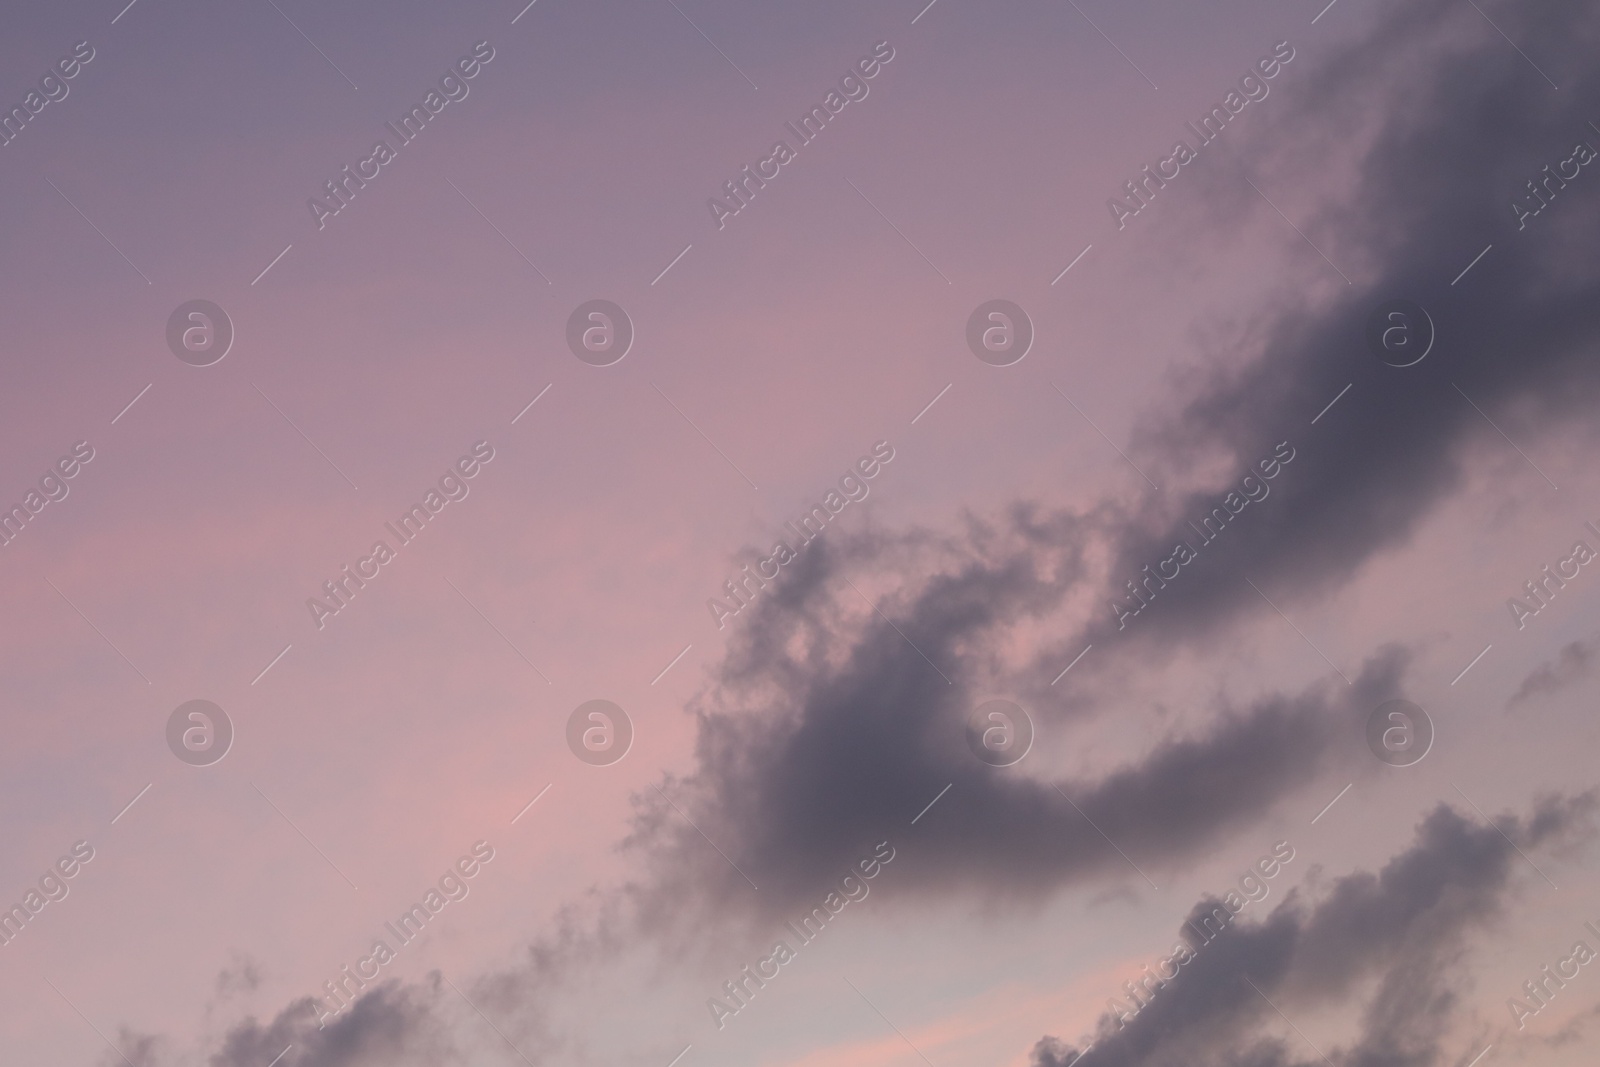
831	744
834	740
1390	945
818	742
1449	122
1575	662
849	731
403	1025
856	732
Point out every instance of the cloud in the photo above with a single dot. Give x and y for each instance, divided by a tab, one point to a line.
845	730
1447	124
1573	663
854	732
391	1025
140	1050
835	740
1397	938
242	975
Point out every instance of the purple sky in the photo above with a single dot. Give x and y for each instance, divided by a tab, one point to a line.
427	321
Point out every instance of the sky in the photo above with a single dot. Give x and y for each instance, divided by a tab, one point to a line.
886	534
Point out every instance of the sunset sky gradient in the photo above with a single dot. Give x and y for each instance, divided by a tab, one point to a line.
1222	324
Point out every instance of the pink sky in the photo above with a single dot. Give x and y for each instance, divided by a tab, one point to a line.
821	319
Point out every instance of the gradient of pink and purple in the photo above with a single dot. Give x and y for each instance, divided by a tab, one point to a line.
821	319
